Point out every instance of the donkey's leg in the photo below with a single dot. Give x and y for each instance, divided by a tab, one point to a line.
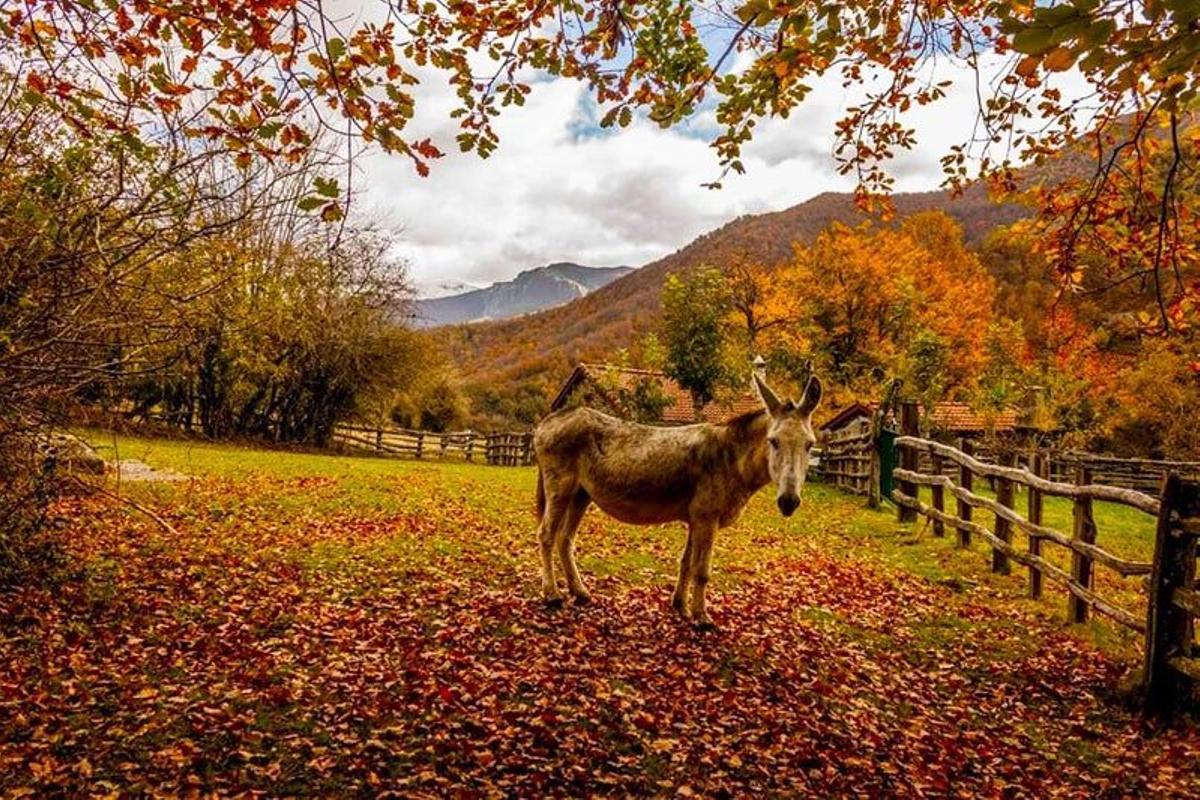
702	540
679	598
566	544
552	516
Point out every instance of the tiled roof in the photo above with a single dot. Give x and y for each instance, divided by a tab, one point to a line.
680	411
960	417
947	416
847	415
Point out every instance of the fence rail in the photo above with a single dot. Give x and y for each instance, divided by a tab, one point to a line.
504	449
1142	474
1081	542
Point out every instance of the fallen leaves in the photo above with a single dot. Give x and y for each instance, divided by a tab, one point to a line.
287	649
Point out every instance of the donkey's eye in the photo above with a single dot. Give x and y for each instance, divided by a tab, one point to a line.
774	443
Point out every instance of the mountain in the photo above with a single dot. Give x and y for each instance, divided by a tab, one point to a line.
445	289
532	290
540	348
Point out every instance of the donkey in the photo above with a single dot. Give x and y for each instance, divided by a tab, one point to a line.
701	475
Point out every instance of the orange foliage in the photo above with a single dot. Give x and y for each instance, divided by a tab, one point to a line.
865	293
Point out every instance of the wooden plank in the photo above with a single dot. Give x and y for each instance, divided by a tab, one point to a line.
1081	562
909	426
939	497
1111	494
1004	497
1187	666
1034	509
1187	599
966	480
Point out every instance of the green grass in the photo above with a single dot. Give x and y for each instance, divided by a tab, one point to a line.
1121	530
307	485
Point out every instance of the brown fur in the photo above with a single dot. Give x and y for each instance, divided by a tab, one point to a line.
702	475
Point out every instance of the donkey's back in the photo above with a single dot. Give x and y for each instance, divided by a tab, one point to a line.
637	473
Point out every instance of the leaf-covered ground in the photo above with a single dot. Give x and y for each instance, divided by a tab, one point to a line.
336	626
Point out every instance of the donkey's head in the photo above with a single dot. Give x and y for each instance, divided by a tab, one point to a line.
790	437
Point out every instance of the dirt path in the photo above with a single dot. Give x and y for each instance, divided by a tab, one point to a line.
131	469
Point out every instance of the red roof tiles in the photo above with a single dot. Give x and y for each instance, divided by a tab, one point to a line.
959	417
946	416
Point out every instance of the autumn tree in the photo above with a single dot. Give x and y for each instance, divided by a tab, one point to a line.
879	302
695	308
755	306
258	78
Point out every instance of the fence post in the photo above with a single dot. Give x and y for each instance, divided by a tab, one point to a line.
966	480
1081	565
1004	496
939	494
379	439
909	426
420	443
1168	626
470	448
874	466
1039	467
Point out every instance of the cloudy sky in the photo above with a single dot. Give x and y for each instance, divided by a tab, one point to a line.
561	189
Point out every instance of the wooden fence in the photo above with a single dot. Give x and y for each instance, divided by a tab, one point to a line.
1140	474
1171	670
504	449
1143	474
846	457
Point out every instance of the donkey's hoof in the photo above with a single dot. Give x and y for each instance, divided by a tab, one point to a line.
680	607
552	603
583	599
705	625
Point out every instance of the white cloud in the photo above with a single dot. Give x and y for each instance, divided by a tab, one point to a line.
559	190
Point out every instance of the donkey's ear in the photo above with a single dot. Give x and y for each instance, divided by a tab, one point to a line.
769	398
812	396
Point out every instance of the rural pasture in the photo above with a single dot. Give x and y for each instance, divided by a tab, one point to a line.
331	625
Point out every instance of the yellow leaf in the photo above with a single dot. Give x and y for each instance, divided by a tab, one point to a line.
1059	59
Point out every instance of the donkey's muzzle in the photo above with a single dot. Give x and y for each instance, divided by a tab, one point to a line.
788	503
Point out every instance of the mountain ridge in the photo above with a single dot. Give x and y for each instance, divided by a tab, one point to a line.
531	290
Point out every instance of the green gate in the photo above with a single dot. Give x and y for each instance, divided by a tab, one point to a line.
887	461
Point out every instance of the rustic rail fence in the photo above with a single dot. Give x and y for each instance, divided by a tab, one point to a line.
846	458
1171	670
1142	474
503	449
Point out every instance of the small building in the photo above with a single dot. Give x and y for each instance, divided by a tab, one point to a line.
848	416
590	384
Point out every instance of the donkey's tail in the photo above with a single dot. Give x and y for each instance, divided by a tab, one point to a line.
541	495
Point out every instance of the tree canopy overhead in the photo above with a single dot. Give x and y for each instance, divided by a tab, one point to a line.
260	77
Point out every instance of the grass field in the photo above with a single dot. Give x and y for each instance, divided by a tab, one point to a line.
316	624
